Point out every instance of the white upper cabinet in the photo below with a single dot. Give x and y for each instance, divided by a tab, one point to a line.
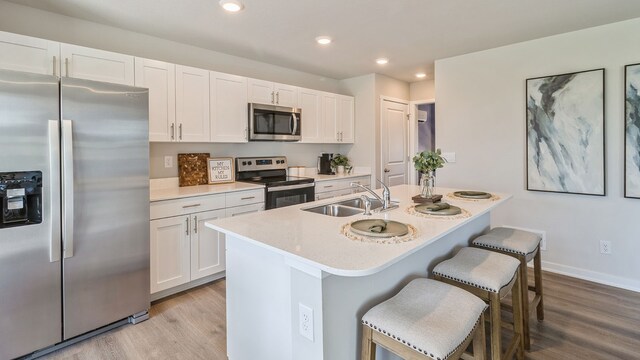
229	109
92	64
346	119
192	104
330	133
160	78
28	54
266	92
310	101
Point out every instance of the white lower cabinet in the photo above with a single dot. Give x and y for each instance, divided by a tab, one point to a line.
332	188
183	249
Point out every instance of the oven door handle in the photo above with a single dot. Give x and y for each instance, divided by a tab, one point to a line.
295	123
290	187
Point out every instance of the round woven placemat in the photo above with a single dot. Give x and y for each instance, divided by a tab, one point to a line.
411	210
452	196
411	235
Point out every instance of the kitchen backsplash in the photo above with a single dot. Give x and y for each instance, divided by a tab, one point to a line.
297	154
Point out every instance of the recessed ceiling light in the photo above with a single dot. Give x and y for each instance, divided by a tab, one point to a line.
382	61
421	75
323	40
231	5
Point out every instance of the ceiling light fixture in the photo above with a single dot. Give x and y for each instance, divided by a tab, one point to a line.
323	40
382	61
231	5
421	75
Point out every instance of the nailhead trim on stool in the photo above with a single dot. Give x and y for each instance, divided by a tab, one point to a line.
510	240
421	315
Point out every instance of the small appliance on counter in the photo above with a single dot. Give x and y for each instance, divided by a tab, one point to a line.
324	164
280	190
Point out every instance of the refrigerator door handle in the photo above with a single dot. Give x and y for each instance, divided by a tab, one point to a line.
67	191
54	190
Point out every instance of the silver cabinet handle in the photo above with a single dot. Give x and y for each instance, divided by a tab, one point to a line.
54	185
67	189
248	198
187	230
328	186
278	97
180	129
55	60
338	136
173	131
66	66
195	224
246	133
341	136
190	206
272	97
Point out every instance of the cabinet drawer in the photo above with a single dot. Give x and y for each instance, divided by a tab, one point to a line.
245	209
342	184
238	198
166	208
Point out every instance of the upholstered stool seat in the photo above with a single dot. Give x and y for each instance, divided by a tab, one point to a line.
428	317
491	276
524	246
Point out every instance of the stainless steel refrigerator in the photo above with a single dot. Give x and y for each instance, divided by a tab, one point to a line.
74	227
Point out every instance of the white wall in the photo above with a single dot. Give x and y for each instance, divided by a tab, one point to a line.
481	117
422	90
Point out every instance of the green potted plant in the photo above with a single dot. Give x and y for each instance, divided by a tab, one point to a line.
426	163
339	162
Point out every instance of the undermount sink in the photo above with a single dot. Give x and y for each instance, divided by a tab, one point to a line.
334	210
358	203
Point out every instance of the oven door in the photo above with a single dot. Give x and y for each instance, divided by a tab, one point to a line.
269	122
281	196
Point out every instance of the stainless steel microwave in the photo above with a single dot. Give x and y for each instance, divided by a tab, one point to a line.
274	123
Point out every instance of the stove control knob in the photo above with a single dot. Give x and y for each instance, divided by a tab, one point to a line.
244	163
248	162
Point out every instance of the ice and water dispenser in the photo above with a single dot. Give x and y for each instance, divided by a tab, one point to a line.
21	197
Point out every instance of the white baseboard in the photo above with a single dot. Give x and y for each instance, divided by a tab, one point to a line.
593	276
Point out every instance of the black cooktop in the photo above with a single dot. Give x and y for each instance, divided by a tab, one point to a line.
278	180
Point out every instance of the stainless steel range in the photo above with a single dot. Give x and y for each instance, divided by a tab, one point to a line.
281	190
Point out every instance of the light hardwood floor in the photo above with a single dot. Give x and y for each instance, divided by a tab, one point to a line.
583	320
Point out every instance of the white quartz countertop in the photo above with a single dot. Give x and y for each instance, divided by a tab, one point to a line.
321	177
175	192
315	239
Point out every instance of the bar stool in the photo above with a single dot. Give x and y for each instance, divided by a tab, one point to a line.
490	276
427	319
524	246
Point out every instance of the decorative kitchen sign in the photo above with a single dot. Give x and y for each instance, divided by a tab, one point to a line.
565	133
221	170
632	131
192	169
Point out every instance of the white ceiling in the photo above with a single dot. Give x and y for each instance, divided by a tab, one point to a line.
411	33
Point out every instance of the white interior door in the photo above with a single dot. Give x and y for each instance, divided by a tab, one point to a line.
393	144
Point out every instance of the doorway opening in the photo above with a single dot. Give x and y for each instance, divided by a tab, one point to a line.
422	132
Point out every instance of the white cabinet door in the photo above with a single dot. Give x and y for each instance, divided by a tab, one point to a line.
192	104
346	119
245	209
92	64
312	126
286	95
229	111
261	92
207	245
28	54
160	78
330	132
169	253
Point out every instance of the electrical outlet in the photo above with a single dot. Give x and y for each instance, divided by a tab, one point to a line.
605	247
306	321
168	161
543	243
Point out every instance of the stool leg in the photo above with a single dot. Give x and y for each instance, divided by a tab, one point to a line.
494	323
368	346
537	271
480	341
516	294
524	285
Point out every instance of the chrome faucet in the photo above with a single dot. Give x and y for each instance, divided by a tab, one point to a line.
386	195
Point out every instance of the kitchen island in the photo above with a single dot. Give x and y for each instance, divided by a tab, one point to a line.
297	287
